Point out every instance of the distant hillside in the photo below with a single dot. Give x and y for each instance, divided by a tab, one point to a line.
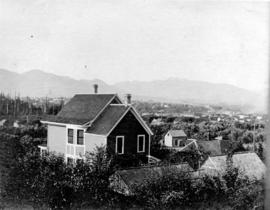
38	83
198	92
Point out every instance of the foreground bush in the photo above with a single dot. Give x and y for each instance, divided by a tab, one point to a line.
174	190
171	189
48	181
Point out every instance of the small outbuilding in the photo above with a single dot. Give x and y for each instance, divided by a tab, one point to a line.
249	164
123	181
175	138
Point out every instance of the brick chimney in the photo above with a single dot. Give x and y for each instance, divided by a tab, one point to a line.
128	99
95	88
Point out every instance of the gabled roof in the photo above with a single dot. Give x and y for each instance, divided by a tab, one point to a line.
83	108
249	164
111	116
107	120
99	112
177	133
139	175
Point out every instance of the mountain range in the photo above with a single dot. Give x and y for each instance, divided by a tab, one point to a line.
36	83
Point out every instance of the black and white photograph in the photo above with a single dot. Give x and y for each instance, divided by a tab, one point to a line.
134	104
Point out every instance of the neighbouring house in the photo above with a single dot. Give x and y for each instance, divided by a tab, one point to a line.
175	138
123	181
91	120
249	164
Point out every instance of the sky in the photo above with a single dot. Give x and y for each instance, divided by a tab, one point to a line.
126	40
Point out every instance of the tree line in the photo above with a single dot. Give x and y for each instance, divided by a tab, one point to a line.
16	106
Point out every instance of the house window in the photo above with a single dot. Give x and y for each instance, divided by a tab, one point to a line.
43	150
175	143
70	136
141	143
80	137
119	146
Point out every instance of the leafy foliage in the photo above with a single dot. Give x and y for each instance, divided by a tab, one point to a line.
48	181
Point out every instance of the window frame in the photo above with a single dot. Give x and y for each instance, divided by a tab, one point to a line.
78	137
116	144
68	136
175	142
43	150
138	142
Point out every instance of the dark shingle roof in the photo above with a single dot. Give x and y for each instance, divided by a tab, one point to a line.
139	175
213	147
109	117
177	133
83	108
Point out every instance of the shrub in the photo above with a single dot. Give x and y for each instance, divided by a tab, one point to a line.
49	181
154	192
247	195
231	177
160	152
209	188
171	199
244	197
41	180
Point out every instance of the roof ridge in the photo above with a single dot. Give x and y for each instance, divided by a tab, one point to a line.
96	94
236	153
219	155
210	159
244	152
155	166
118	105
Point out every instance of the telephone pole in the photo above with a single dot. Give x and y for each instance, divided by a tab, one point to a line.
254	136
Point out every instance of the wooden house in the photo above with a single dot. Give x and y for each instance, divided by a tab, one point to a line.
175	138
91	120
